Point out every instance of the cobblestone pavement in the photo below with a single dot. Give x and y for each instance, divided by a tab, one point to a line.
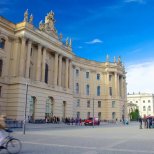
108	139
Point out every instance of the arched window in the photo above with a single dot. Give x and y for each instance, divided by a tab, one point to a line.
149	108
87	89
2	43
1	66
98	90
46	73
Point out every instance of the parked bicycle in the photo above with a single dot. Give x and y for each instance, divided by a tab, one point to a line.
11	144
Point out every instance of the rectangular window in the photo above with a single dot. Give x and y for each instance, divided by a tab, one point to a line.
98	90
144	109
143	101
78	114
110	91
113	115
77	72
77	88
110	77
99	104
99	115
113	104
88	114
148	101
98	76
2	43
78	103
88	103
87	75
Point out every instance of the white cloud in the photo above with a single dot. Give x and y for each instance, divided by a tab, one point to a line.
137	1
94	41
140	77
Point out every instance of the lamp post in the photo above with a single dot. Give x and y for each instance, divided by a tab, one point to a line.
93	112
25	110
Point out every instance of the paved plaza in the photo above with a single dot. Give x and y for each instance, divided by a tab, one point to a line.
106	139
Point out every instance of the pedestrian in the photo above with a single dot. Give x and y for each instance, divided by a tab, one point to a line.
140	121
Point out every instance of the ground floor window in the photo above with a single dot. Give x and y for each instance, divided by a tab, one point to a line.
113	115
88	114
99	115
78	114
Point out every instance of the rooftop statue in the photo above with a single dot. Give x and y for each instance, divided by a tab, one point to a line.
60	36
26	16
67	41
31	19
114	59
70	43
41	26
119	60
107	58
49	22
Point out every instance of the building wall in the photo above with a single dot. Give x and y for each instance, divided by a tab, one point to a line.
143	100
30	54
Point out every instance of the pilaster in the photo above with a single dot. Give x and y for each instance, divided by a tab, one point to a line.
22	57
38	69
28	58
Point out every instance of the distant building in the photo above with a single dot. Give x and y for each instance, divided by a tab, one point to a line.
59	83
143	101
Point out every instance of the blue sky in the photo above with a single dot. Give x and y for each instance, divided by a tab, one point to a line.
98	27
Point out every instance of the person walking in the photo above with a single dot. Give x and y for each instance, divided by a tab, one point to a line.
140	121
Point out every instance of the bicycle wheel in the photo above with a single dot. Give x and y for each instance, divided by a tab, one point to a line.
13	146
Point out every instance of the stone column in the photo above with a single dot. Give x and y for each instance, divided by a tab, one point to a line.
16	57
107	84
66	74
22	57
55	69
38	69
115	80
43	65
7	62
118	85
28	58
70	75
60	69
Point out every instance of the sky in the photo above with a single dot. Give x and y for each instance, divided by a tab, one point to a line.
122	28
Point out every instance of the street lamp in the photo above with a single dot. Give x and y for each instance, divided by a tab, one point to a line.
93	112
25	110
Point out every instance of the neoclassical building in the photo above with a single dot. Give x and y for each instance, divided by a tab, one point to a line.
143	101
40	73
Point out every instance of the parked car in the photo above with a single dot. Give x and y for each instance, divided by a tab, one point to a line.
89	121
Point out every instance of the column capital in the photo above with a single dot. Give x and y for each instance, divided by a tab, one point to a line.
39	45
67	59
61	56
17	40
29	41
23	38
56	54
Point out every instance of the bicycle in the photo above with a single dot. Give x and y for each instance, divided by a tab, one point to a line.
11	144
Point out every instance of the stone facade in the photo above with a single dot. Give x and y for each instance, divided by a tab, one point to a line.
37	64
143	101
